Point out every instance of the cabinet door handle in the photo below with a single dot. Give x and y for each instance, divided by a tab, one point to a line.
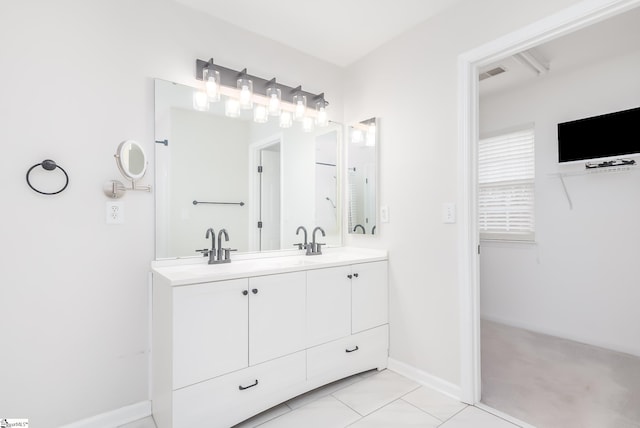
355	274
254	291
242	388
245	292
348	351
349	276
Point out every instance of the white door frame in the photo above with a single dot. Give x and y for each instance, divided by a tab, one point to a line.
564	22
254	186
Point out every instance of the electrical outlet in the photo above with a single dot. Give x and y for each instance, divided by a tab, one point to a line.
384	214
448	212
115	212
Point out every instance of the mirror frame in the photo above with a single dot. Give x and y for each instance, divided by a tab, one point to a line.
125	171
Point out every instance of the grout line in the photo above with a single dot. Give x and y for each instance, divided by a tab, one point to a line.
422	410
455	414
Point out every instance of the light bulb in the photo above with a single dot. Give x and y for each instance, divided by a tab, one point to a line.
232	107
274	102
321	117
286	120
200	101
260	114
246	93
212	84
300	106
307	124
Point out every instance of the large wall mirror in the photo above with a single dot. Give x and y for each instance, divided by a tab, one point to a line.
362	177
256	180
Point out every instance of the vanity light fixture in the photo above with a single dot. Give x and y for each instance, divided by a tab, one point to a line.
321	112
308	124
232	107
299	103
244	91
260	114
274	98
211	78
245	85
286	119
200	101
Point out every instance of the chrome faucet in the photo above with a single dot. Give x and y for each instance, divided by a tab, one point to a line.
221	255
315	246
300	245
221	252
359	226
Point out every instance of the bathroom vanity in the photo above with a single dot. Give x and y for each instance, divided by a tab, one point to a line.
232	340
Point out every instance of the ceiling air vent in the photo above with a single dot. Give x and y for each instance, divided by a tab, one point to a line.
492	72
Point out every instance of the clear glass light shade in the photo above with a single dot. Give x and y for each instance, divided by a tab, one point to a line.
211	80
246	93
274	97
200	101
371	135
321	114
307	124
300	105
232	107
286	120
260	114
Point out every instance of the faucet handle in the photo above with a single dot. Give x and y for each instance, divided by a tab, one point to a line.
227	253
318	249
300	245
205	252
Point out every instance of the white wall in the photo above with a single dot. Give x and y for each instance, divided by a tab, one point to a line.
580	279
76	80
411	84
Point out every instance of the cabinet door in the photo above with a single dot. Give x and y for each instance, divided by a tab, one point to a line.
328	304
370	296
209	330
276	316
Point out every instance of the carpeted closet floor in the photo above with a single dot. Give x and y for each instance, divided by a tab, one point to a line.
551	382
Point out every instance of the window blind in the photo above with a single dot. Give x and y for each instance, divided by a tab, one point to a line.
506	177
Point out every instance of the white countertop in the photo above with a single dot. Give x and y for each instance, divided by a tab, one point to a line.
197	270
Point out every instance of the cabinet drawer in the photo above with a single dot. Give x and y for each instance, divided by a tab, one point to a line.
349	355
221	402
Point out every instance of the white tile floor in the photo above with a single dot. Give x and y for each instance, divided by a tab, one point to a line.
369	400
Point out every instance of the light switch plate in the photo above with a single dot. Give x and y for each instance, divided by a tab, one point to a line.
114	212
449	212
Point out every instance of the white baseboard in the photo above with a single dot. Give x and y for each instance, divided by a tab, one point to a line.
115	418
426	379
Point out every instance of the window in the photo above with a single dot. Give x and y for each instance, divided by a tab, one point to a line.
506	176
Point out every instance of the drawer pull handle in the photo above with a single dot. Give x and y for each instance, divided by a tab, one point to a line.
245	292
351	350
349	276
242	388
355	275
254	291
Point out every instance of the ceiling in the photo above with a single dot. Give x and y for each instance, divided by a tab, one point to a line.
337	31
610	38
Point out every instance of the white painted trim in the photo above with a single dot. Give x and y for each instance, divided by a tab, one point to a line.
578	16
115	418
447	388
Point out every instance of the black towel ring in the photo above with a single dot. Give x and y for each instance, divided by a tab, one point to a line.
48	165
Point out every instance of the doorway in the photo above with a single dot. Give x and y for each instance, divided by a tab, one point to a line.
266	195
582	15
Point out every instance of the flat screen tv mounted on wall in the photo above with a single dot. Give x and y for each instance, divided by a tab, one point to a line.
600	137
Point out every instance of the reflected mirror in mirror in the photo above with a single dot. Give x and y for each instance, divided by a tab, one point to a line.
361	177
256	180
131	160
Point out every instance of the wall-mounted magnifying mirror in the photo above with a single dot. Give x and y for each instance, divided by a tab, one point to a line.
362	167
132	163
131	160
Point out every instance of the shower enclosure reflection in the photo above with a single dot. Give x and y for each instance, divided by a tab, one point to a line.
361	176
257	180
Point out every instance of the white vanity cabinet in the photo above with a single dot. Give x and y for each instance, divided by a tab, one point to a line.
231	341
